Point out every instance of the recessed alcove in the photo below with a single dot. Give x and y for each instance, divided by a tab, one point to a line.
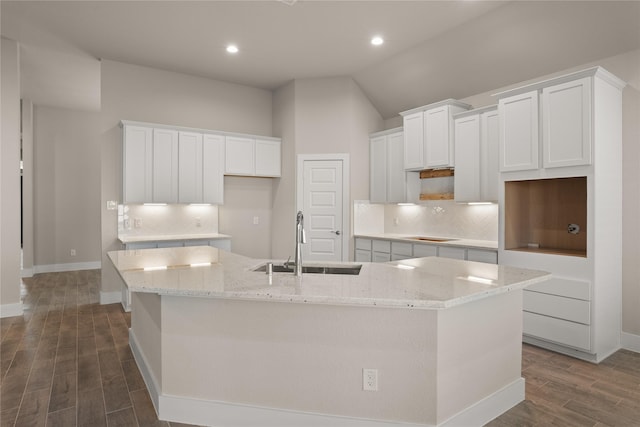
541	216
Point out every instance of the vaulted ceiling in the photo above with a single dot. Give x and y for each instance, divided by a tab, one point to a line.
433	49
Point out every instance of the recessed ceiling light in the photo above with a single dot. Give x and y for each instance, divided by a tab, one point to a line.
377	41
232	48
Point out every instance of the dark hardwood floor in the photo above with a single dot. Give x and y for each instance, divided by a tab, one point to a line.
66	362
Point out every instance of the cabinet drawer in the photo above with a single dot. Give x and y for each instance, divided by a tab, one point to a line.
363	255
574	310
196	243
363	244
404	249
564	287
456	253
424	250
381	246
171	244
381	257
479	255
557	330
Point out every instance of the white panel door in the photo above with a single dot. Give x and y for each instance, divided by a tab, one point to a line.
322	209
436	138
190	167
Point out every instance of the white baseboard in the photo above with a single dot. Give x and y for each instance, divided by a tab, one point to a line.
490	407
26	272
110	297
206	412
74	266
11	310
630	342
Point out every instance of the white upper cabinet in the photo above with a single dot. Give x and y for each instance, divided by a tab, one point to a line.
137	164
252	156
566	124
190	167
389	182
428	135
165	166
267	162
413	141
476	156
213	169
519	132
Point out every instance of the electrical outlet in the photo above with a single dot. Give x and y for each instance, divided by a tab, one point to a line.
73	252
256	220
369	379
127	224
137	223
396	221
198	222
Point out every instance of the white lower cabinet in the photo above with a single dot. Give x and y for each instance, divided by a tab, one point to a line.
380	250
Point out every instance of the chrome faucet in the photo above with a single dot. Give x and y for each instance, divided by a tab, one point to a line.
300	239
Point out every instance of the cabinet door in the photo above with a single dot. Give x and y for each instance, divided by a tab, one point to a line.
165	166
420	250
267	153
437	145
378	170
137	160
396	175
363	255
224	244
413	142
189	167
480	255
519	132
467	175
566	124
452	252
381	257
239	156
213	169
489	156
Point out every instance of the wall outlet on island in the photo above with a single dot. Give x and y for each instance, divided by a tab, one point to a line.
369	379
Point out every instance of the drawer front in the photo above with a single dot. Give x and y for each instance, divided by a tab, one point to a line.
174	244
141	245
448	252
363	244
574	310
404	249
363	255
557	330
381	257
424	250
381	246
196	243
564	287
479	255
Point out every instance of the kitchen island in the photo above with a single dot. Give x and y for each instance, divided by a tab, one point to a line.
221	344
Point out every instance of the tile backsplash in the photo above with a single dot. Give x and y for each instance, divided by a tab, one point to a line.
434	218
145	220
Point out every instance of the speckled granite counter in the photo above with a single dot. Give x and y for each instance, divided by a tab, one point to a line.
415	283
451	241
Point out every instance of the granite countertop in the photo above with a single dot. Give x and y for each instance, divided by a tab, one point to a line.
422	283
454	241
132	238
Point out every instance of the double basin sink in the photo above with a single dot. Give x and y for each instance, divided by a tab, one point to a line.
315	269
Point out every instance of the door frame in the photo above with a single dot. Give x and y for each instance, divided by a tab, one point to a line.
344	157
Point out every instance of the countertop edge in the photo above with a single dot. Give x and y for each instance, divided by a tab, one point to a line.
456	242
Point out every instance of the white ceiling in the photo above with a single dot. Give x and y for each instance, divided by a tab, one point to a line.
433	49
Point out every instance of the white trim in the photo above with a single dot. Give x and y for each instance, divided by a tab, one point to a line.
147	375
208	412
73	266
11	310
346	185
630	341
110	297
26	272
490	407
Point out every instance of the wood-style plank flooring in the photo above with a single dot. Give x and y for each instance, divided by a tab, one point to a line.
67	362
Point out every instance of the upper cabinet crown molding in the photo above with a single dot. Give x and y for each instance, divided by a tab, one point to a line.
450	102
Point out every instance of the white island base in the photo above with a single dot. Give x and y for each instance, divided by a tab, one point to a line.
229	362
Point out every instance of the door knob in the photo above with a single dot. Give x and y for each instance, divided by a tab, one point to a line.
337	232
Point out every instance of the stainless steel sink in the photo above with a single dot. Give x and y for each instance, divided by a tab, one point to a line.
315	269
431	239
